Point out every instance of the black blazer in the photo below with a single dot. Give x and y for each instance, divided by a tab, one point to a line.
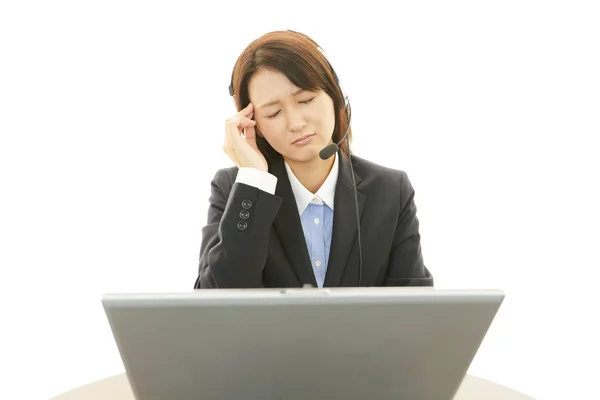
255	239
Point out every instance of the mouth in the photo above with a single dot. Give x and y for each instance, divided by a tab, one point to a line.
303	140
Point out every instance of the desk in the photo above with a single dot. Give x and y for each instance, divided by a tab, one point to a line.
117	388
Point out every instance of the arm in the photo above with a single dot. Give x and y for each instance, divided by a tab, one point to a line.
406	266
234	250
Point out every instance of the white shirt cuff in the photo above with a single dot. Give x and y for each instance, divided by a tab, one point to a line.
257	178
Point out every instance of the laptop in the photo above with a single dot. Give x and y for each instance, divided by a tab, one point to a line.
412	343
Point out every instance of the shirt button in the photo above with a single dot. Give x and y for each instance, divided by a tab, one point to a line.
244	214
316	221
242	225
318	263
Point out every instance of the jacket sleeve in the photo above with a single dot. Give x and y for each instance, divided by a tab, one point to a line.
406	266
235	239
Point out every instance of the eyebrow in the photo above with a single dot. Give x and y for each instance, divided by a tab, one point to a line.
271	103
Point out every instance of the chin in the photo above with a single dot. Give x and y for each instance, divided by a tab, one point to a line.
305	154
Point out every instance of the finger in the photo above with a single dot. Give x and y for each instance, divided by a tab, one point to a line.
227	144
229	124
231	130
247	116
250	136
238	123
248	111
239	119
236	128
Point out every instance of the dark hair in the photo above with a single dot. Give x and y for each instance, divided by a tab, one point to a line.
298	57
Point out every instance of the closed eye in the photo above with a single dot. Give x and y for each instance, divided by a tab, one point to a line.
302	102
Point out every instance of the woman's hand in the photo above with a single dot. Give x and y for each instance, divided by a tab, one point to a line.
243	150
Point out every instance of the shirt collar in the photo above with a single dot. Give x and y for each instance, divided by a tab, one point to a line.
325	194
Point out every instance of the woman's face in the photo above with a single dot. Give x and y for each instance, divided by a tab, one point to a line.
284	114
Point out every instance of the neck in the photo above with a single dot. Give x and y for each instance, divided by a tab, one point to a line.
312	174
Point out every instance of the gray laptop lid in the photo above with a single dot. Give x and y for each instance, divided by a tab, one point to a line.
342	343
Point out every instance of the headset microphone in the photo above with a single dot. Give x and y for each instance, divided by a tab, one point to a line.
333	148
328	151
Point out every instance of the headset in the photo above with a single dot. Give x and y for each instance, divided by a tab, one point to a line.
333	148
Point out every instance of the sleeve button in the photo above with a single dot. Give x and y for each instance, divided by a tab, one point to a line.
246	204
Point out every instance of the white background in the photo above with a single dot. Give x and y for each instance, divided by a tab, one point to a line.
112	115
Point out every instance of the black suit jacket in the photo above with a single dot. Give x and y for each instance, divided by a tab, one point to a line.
255	239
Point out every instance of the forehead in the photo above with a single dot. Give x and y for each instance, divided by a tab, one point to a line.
267	85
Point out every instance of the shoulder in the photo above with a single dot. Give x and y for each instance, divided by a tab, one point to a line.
224	178
378	175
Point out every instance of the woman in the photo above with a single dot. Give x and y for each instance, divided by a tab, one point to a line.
286	214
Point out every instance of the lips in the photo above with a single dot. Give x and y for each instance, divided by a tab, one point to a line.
303	139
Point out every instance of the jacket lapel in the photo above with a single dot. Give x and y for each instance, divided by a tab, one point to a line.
289	227
344	237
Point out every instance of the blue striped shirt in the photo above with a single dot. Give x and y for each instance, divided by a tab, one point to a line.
317	223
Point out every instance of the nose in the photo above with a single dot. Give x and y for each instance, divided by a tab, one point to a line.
296	121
